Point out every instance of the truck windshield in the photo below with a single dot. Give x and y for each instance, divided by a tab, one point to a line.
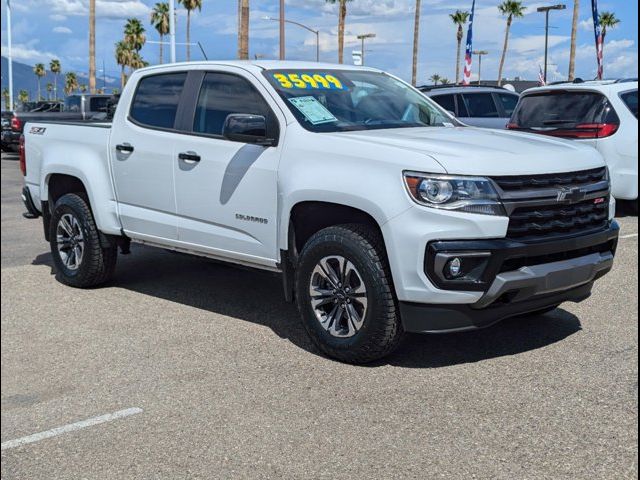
339	100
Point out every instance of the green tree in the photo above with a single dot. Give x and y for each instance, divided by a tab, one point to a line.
56	69
160	20
23	96
124	54
70	83
342	20
435	78
7	98
444	81
608	21
511	9
459	19
134	34
49	88
189	6
40	71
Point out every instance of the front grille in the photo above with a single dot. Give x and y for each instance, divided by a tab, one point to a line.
532	182
531	223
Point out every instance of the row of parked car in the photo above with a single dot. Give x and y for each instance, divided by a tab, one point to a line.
602	114
75	107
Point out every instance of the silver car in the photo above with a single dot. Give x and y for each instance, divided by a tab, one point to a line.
485	107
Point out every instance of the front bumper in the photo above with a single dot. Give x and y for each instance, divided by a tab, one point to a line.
518	278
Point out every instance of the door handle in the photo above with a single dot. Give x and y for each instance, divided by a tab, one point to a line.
191	157
125	147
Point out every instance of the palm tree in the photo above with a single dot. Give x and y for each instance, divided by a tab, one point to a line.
23	96
123	53
137	61
459	18
444	81
189	6
608	20
342	20
83	88
56	69
512	9
160	20
243	29
70	83
435	78
134	34
416	43
7	98
92	46
40	71
49	90
574	40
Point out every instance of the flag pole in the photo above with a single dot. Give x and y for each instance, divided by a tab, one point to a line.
10	54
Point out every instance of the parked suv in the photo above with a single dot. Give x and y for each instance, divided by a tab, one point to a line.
486	107
601	114
381	212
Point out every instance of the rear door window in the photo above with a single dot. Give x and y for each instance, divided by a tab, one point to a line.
563	109
480	105
631	101
446	101
508	102
156	100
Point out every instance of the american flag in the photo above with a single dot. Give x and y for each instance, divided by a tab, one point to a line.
599	39
541	80
468	59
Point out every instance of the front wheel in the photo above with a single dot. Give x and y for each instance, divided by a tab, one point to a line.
345	294
79	257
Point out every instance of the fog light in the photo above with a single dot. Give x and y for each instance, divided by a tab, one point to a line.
455	267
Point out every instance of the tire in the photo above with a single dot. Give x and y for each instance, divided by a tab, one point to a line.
96	263
368	325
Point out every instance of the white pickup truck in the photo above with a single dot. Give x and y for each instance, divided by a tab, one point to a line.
383	214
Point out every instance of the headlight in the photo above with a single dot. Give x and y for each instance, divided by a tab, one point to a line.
467	194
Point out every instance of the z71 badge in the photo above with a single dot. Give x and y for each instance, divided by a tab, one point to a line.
37	130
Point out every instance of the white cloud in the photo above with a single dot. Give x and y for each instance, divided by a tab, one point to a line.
62	30
104	8
56	17
27	53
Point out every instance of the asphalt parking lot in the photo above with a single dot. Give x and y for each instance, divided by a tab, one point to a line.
218	380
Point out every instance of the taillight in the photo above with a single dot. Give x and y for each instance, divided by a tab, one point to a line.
512	126
23	157
16	124
601	130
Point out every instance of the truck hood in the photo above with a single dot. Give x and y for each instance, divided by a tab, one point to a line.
475	151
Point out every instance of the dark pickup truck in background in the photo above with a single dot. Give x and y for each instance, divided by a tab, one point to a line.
75	107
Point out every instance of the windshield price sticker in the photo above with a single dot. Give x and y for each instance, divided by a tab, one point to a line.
308	81
313	110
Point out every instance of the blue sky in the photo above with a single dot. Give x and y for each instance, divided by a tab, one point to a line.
44	29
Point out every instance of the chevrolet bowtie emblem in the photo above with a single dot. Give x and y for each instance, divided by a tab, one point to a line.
571	195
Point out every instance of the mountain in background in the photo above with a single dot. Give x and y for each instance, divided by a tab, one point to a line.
25	79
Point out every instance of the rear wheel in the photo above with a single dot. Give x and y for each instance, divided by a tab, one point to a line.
345	294
79	257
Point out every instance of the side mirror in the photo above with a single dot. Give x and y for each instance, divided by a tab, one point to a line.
246	128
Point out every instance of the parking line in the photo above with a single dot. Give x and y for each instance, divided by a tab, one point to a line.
54	432
631	235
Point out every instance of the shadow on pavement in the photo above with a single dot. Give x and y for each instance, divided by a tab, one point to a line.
257	297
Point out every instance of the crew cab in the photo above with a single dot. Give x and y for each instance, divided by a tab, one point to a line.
382	213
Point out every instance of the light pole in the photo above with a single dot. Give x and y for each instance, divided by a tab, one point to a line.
282	31
316	32
172	31
546	11
480	54
362	38
10	54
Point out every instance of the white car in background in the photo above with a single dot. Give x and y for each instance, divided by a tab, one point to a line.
601	114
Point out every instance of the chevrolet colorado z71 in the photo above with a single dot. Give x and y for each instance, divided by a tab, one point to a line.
383	214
